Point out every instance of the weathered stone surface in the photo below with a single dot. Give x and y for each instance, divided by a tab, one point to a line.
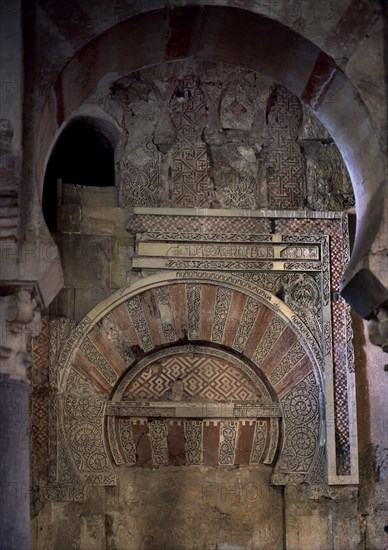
63	304
311	127
154	510
86	298
69	218
86	260
328	183
229	139
102	220
106	197
320	524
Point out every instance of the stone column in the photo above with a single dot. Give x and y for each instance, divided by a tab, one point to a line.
18	323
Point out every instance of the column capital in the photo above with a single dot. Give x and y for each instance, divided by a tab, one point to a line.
19	322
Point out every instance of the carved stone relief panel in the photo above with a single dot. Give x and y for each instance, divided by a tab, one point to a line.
208	135
301	277
158	392
190	184
168	390
301	440
202	378
285	167
177	403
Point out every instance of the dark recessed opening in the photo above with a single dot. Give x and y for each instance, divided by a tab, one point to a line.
82	156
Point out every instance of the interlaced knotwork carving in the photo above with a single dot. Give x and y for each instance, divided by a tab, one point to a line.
126	439
189	169
288	362
137	314
227	442
158	434
259	440
251	311
140	184
202	378
98	360
285	177
194	310
224	297
301	292
193	441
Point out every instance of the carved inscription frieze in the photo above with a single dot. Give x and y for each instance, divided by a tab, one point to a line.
232	256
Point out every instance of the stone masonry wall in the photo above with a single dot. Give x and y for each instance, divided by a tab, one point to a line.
208	136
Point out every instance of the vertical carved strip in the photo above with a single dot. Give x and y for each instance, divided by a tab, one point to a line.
251	310
259	442
272	333
327	338
113	444
98	361
163	300
193	311
111	328
228	431
274	437
193	442
158	433
285	180
126	440
326	270
224	298
288	362
136	312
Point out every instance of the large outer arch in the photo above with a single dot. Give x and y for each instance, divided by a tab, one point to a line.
243	38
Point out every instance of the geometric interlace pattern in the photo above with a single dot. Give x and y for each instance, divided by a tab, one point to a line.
200	377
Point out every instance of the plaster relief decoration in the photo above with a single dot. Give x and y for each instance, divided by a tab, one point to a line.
209	135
